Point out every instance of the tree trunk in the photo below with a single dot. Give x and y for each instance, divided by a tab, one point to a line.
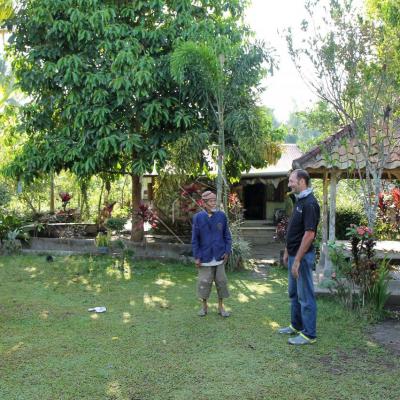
99	206
137	232
107	192
52	208
221	178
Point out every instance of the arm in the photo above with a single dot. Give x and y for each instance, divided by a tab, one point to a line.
306	242
196	242
285	257
227	239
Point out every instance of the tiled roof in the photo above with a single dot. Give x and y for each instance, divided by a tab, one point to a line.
289	153
342	151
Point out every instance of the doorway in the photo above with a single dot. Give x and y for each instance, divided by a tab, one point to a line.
254	201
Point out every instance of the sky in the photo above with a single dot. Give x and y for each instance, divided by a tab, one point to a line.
285	90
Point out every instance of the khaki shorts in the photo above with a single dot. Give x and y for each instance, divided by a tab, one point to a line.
208	275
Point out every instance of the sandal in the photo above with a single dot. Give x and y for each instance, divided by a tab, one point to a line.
202	313
224	313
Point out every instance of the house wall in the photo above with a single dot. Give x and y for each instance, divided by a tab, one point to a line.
274	195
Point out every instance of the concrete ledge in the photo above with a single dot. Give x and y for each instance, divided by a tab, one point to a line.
173	251
394	289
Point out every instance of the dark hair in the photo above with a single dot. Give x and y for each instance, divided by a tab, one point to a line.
302	174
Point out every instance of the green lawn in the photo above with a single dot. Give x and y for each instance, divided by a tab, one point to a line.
150	344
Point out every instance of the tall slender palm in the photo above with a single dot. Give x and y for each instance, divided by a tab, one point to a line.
204	69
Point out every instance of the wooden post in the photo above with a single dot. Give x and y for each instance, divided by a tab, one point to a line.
324	244
332	220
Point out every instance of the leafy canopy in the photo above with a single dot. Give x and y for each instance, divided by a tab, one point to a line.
102	99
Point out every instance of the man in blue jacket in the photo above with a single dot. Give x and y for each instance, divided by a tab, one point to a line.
211	244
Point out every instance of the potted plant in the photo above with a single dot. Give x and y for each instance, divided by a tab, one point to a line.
102	242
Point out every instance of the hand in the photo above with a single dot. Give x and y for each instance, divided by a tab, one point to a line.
285	258
225	258
197	262
296	269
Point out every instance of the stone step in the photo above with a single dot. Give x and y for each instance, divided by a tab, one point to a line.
256	223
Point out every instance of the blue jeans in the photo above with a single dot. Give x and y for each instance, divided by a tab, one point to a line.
303	306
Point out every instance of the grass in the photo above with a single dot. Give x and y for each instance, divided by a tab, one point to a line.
150	344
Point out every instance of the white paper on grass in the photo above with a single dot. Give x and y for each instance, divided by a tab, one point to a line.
98	309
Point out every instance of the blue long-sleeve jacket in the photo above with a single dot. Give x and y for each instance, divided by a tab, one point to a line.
211	237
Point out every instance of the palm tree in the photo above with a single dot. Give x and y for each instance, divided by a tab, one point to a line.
224	84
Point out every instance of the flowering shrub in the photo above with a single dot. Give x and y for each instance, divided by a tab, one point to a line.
388	218
65	199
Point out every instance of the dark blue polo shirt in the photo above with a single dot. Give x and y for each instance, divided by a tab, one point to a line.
305	217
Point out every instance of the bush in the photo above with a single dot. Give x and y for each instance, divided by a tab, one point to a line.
102	240
345	217
115	224
5	195
361	281
11	244
239	256
8	223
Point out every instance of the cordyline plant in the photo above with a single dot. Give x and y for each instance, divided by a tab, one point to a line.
388	223
281	229
146	214
364	264
65	199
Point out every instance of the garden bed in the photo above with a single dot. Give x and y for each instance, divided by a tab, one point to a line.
63	229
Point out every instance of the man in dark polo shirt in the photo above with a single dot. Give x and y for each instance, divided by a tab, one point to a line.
300	258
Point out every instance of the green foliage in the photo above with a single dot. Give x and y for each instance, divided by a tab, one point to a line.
351	62
360	281
98	75
115	224
223	76
6	9
343	287
379	293
346	216
308	128
8	223
5	195
241	250
102	240
240	254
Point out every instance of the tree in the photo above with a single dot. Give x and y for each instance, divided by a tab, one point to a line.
352	72
311	126
224	78
97	72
